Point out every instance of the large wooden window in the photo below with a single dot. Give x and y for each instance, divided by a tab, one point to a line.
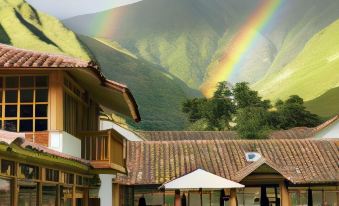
24	103
81	113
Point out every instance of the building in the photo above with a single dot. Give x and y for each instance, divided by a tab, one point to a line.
330	129
287	169
52	152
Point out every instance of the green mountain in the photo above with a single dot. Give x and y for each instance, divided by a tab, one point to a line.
326	105
22	26
312	73
188	37
159	94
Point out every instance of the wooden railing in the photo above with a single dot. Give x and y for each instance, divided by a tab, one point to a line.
105	149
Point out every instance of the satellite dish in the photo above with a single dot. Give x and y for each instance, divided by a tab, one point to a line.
252	156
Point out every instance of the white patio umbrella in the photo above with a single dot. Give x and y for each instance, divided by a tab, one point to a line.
201	179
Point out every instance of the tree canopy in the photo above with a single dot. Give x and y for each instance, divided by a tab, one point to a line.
250	115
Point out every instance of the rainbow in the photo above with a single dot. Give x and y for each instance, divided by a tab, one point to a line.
241	44
107	23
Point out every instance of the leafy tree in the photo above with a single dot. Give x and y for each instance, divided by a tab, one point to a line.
292	113
216	111
245	97
194	108
253	116
253	122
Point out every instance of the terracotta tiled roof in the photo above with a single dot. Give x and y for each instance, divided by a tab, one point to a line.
18	139
20	58
294	133
326	124
12	58
187	135
299	161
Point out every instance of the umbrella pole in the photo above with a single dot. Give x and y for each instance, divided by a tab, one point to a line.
201	196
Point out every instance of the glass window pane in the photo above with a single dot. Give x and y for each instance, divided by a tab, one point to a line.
0	96
52	175
26	110
7	167
26	95
49	194
41	95
11	96
26	125
29	171
11	110
28	194
5	192
1	82
10	125
12	82
40	125
317	197
331	198
41	110
41	81
27	81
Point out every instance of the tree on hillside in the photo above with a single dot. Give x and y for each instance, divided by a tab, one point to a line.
245	97
214	113
253	116
292	113
252	122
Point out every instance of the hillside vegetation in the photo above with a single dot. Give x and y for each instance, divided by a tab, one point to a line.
326	105
189	37
22	26
159	94
313	72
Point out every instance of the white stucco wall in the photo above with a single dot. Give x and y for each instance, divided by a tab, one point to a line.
65	143
124	132
332	131
105	191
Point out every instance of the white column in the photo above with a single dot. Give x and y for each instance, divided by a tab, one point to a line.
105	191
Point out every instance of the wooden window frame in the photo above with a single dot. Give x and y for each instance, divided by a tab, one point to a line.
18	103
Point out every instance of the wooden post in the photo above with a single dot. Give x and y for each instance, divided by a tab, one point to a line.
86	197
233	197
15	185
15	192
116	194
39	196
284	195
56	101
177	201
58	195
74	200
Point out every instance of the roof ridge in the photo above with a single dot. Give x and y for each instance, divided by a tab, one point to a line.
89	63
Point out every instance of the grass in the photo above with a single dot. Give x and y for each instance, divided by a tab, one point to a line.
22	26
312	73
326	105
159	94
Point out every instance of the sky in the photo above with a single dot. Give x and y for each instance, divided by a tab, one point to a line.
63	9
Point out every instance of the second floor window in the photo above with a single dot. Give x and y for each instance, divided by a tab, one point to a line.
24	103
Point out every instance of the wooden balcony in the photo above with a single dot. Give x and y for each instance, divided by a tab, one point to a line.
105	150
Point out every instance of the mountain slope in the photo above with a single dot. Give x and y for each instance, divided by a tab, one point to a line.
189	37
159	95
175	34
313	72
326	105
22	26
